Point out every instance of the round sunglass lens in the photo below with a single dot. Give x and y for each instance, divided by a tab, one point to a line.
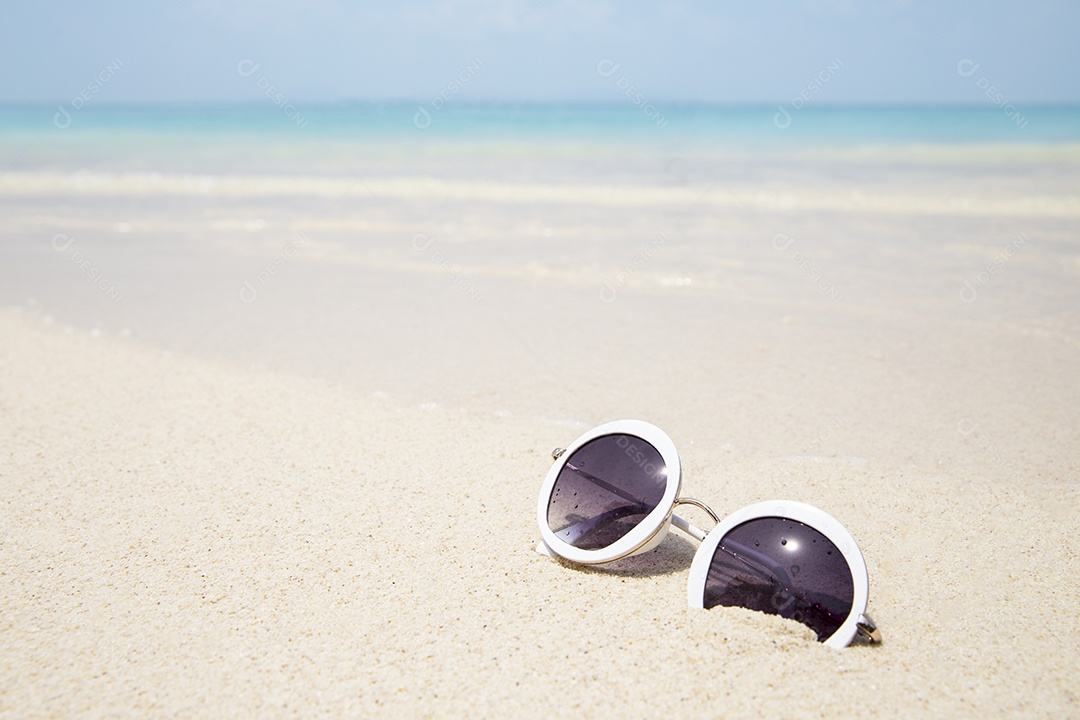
605	488
785	568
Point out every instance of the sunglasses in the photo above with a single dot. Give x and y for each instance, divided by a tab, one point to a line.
611	494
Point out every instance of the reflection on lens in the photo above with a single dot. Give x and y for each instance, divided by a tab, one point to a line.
606	488
785	568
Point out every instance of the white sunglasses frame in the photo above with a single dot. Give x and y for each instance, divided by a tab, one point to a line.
647	534
808	515
652	530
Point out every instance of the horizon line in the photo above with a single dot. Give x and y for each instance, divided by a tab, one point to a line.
591	104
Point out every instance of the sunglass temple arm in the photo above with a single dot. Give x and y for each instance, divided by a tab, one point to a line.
694	532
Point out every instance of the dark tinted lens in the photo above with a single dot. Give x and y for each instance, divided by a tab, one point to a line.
606	487
782	567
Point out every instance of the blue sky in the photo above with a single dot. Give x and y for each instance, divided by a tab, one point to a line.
875	51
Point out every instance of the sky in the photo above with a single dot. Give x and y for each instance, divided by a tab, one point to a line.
763	51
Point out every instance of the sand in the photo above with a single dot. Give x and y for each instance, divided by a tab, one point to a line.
322	502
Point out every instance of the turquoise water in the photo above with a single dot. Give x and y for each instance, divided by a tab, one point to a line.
716	125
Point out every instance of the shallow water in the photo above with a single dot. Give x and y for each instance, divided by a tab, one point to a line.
579	265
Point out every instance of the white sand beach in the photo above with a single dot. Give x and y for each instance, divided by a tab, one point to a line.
272	440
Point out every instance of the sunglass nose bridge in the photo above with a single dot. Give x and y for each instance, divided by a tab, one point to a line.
686	527
698	504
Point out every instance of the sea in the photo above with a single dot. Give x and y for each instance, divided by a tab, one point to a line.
541	258
191	136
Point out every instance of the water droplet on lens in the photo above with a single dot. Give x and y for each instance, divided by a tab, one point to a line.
794	570
783	542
